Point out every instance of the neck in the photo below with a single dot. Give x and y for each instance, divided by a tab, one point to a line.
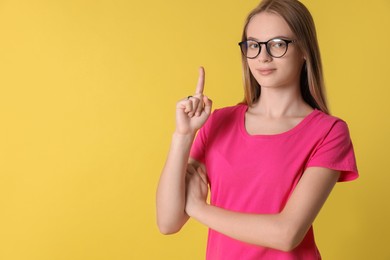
281	102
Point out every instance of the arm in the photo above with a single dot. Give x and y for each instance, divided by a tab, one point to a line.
170	199
191	114
283	231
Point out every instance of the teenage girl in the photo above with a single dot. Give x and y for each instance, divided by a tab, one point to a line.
271	161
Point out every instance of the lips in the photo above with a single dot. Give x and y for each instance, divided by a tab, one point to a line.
265	71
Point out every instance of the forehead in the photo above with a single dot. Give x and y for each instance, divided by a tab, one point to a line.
265	26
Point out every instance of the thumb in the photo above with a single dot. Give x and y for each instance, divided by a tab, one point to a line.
207	105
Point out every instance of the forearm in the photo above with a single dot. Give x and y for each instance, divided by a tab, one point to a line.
171	188
284	230
271	230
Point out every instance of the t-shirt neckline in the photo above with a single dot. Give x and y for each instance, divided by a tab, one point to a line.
291	131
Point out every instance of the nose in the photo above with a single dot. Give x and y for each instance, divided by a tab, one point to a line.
264	55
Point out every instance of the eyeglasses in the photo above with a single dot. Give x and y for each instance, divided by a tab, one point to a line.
276	47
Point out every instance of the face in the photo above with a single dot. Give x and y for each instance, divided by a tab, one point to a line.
273	72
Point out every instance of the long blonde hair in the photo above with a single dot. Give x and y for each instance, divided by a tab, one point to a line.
302	25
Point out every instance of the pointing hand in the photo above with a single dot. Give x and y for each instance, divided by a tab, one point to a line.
193	111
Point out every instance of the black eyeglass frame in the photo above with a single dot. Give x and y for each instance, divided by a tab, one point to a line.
266	47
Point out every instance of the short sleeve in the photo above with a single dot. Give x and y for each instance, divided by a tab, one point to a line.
336	152
198	149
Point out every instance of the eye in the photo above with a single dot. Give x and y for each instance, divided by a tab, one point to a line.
277	44
253	45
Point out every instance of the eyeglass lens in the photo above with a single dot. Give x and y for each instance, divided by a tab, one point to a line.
276	48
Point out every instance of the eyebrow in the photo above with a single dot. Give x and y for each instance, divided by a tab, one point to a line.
275	37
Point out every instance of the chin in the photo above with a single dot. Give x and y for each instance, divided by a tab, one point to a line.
272	83
267	83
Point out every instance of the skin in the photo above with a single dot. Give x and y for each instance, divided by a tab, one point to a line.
191	114
183	186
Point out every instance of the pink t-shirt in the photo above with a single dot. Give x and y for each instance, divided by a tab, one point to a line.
258	173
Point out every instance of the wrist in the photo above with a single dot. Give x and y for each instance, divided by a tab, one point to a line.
182	143
184	136
198	210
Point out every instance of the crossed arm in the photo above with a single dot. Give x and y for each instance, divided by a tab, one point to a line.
182	194
283	231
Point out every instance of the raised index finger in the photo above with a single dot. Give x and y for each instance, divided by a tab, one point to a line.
200	85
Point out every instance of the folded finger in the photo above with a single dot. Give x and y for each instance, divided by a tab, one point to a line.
191	169
197	106
188	106
202	175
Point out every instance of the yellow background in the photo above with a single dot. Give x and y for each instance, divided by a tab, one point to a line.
87	96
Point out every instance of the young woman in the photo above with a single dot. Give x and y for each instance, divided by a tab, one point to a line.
271	161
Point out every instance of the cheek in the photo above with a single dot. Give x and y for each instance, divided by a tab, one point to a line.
297	67
292	72
252	65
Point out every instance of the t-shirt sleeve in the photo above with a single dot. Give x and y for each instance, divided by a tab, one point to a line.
198	149
336	152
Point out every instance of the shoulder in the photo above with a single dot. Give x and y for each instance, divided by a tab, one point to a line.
230	111
328	122
326	118
333	148
321	127
330	129
226	117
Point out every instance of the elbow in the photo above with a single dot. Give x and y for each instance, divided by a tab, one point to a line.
167	231
291	239
169	223
167	228
288	246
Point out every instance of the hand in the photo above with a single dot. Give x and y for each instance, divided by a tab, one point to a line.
196	189
193	112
